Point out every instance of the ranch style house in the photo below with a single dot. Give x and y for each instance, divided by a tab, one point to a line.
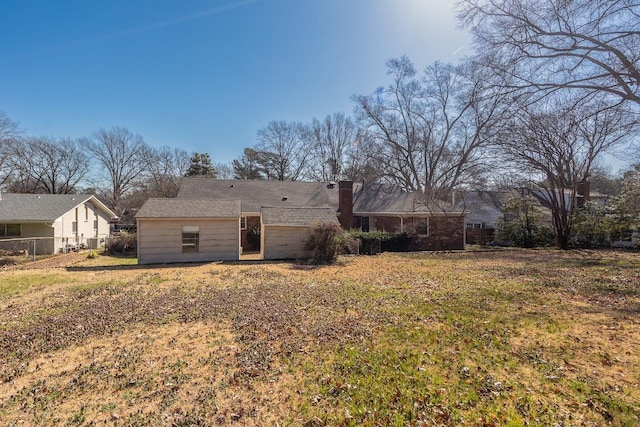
213	219
55	222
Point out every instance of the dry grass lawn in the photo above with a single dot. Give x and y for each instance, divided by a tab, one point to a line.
472	338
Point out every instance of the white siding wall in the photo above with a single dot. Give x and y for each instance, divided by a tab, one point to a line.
285	242
85	215
64	230
160	241
86	224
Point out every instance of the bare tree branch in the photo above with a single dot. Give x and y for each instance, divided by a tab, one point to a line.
546	45
123	156
431	133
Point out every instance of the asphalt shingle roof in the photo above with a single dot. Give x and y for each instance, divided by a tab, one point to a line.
298	217
38	207
256	194
391	199
189	208
367	198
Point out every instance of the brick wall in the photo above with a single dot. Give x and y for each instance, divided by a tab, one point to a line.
445	232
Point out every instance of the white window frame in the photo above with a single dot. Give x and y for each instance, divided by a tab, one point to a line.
418	221
190	239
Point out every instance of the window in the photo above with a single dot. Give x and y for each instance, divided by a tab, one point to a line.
86	212
9	230
243	223
364	224
95	224
74	227
190	238
422	225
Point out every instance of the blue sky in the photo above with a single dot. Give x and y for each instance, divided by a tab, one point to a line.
206	75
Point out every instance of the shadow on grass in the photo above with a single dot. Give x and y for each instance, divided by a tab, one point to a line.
294	265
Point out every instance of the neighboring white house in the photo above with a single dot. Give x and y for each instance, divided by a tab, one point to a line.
56	222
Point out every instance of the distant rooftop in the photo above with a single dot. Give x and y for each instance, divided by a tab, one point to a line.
42	207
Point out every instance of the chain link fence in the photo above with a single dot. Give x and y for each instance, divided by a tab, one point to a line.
20	250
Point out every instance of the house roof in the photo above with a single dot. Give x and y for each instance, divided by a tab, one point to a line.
298	217
189	208
392	199
256	194
367	198
43	207
484	206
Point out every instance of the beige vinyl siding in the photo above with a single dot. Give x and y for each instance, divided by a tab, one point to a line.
282	242
160	241
43	246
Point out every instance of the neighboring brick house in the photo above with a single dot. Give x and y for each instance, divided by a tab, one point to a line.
431	225
282	214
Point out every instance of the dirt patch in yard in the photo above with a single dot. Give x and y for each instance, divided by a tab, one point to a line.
486	338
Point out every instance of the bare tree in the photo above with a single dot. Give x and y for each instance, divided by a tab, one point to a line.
561	146
123	157
431	133
589	45
8	133
283	152
47	165
361	160
331	140
166	167
223	170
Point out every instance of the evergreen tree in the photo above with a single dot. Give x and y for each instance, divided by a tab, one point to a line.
201	166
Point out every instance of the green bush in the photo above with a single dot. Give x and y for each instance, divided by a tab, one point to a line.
370	241
520	225
591	227
397	243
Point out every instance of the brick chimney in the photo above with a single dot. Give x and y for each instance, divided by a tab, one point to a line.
583	193
345	204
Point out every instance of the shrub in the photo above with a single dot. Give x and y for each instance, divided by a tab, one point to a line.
8	261
370	241
326	242
591	227
397	243
125	243
520	225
